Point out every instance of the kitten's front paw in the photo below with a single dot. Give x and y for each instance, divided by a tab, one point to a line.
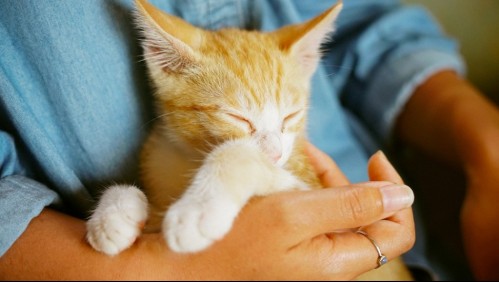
191	226
283	180
118	219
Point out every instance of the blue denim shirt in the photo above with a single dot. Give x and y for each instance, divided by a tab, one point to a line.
75	104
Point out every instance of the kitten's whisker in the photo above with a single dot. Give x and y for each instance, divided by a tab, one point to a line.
155	118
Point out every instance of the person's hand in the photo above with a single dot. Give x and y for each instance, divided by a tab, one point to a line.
379	169
298	235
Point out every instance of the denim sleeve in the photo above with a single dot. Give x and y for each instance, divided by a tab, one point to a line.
21	198
389	59
73	109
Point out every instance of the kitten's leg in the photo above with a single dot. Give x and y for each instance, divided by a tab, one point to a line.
118	219
230	175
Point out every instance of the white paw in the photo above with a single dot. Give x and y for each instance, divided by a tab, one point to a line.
283	180
118	219
191	225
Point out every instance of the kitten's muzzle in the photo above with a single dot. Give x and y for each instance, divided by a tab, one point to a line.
270	143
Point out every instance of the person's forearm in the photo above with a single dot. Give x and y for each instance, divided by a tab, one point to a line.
449	118
54	248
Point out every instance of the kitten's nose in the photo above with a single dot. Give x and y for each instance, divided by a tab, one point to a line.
271	146
275	156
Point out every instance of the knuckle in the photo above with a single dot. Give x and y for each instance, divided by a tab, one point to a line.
362	204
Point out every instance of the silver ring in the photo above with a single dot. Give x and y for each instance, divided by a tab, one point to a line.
381	257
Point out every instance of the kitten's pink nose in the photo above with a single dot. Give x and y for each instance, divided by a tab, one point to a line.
275	156
271	146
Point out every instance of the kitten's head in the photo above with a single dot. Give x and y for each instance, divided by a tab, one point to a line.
212	86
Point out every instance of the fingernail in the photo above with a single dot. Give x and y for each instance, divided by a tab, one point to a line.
396	197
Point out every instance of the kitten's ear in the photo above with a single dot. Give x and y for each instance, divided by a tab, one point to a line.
169	42
303	41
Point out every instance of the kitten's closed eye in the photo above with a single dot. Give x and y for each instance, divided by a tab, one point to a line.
245	121
291	119
288	120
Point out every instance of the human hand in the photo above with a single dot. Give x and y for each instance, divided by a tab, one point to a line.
379	168
300	235
284	236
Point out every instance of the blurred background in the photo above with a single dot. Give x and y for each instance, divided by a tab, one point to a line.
475	24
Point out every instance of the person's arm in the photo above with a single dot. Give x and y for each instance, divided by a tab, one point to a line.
53	247
450	118
21	197
294	243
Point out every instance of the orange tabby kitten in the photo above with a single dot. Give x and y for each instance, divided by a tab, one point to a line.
232	108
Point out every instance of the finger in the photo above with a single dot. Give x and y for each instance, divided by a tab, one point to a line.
311	213
327	170
380	169
356	252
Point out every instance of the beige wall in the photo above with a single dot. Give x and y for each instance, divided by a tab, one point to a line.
475	23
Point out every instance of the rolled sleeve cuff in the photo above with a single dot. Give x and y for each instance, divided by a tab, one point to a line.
21	199
396	82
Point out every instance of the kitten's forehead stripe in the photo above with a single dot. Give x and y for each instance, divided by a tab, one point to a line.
278	81
200	108
257	68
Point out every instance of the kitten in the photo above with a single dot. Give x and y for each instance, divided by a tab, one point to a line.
232	107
